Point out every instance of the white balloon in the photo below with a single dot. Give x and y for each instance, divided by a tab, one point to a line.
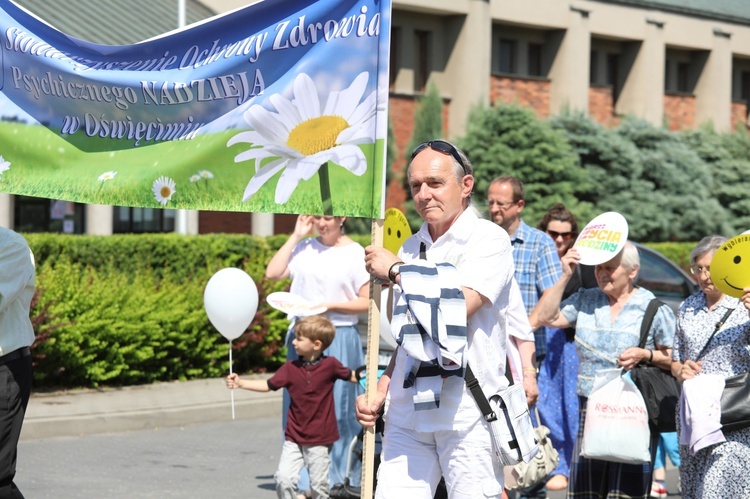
385	326
231	300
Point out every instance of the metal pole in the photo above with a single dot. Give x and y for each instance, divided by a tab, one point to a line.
181	216
180	13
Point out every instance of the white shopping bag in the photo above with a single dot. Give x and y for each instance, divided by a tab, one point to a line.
616	427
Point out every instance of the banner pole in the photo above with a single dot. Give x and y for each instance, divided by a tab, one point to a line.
371	366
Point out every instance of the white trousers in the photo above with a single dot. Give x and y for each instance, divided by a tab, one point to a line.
413	462
293	458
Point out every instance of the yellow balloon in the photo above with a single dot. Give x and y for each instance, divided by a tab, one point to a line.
396	230
730	266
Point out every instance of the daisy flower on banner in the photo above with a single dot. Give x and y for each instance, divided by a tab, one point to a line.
195	178
106	176
302	136
205	174
4	166
163	189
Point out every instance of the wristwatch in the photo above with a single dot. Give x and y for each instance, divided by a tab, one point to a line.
393	272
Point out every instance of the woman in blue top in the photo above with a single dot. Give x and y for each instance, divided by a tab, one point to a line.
608	322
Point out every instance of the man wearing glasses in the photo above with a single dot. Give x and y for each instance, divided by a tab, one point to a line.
461	264
537	265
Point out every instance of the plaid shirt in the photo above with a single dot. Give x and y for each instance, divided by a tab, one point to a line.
537	268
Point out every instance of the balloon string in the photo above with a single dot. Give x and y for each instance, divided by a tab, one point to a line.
230	372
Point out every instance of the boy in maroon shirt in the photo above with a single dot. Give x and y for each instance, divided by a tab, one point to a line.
311	427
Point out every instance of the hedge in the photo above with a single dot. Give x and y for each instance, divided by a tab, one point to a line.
128	309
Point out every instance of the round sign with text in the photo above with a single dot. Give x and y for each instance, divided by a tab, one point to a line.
730	266
602	238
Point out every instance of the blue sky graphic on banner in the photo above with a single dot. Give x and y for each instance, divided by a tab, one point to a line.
277	107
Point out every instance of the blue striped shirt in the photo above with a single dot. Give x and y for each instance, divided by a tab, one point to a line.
537	268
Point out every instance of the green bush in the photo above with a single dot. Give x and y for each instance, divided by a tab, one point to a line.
510	140
613	166
682	206
128	309
728	158
679	253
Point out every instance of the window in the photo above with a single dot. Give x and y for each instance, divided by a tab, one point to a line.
745	86
507	56
613	63
135	220
535	59
422	67
683	70
393	63
47	215
594	67
663	278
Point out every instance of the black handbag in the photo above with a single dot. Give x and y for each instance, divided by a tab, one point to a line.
735	403
659	388
735	399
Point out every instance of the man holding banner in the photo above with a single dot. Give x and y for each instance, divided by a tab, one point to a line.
451	284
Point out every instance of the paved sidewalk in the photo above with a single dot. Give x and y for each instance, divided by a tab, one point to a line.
170	404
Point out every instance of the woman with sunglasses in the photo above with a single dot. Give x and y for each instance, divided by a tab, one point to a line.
558	402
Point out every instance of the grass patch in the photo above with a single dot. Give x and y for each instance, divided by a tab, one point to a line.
45	165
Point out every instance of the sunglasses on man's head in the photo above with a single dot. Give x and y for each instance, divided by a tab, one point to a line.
565	235
443	147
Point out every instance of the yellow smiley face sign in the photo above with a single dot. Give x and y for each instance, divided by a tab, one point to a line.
730	266
396	230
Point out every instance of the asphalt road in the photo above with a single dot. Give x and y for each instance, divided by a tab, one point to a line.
227	460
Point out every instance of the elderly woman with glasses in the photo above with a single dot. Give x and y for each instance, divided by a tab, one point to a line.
558	402
719	470
608	322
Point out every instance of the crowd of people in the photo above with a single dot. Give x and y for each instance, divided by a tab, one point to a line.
508	303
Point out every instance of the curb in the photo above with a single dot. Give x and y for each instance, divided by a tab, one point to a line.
172	404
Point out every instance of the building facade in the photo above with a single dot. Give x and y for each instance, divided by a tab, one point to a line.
676	63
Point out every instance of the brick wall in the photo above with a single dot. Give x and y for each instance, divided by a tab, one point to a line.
528	92
679	111
401	110
284	224
602	105
739	115
224	221
240	223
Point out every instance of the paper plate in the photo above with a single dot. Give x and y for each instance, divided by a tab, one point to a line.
396	230
293	304
602	238
730	266
385	324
